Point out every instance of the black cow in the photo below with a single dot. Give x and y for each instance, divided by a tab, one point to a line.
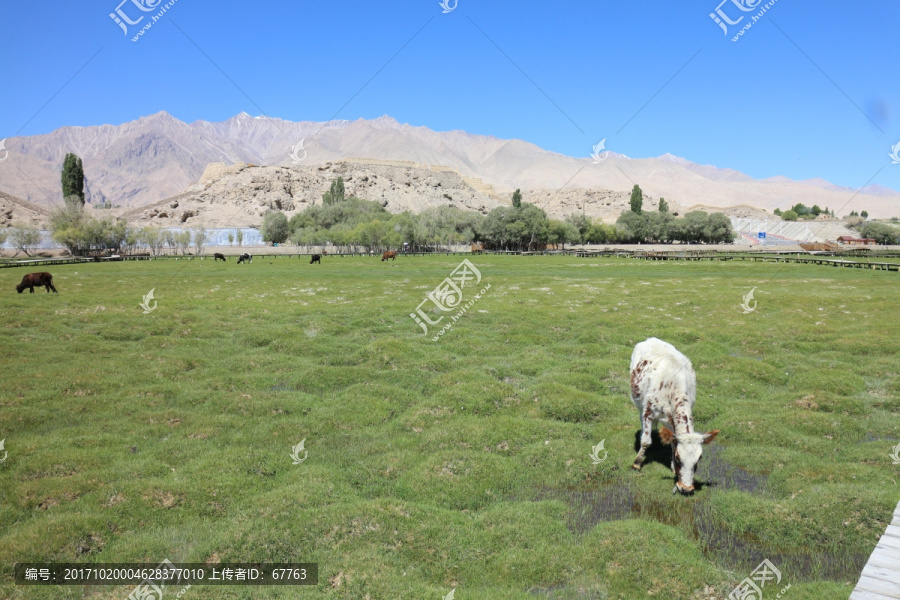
217	256
316	258
37	279
245	258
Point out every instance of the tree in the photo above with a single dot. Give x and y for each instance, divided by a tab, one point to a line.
563	232
718	229
25	238
200	239
633	227
694	226
881	233
67	223
864	214
777	212
3	234
600	233
800	209
517	198
659	226
72	178
537	226
816	210
309	236
335	195
230	238
637	199
154	238
580	222
80	232
663	205
508	227
131	240
337	190
854	222
274	227
239	236
116	234
171	242
183	241
789	215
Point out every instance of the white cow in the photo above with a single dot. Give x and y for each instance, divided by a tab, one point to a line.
663	388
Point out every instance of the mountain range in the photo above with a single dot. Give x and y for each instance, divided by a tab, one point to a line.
155	158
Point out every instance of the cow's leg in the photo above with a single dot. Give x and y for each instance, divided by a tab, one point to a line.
31	289
646	428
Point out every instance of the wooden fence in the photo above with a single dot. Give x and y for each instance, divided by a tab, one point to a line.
792	256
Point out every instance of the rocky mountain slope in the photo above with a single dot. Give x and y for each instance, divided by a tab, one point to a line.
15	211
239	196
154	158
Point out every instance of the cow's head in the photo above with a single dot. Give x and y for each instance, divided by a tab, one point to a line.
687	450
20	288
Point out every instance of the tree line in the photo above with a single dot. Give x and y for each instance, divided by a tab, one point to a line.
353	224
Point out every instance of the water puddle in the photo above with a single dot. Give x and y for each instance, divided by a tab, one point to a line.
622	500
567	592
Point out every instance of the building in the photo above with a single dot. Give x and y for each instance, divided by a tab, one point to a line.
849	240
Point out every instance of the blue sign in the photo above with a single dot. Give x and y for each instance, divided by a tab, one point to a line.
762	235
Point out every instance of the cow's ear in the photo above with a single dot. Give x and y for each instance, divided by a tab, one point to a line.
709	437
666	436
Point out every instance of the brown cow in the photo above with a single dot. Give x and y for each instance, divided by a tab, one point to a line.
389	255
37	279
217	256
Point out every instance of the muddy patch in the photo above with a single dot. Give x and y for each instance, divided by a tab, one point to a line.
870	437
725	548
720	474
741	554
567	592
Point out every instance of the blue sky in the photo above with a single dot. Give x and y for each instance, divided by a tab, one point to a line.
810	90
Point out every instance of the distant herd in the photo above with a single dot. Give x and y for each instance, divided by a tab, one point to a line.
46	279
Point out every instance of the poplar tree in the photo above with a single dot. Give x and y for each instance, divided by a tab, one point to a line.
72	178
637	199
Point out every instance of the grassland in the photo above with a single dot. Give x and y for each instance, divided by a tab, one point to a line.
461	463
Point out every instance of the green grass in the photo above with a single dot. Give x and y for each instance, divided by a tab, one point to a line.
461	463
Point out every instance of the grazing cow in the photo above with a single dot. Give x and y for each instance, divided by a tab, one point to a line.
217	256
389	255
37	279
245	258
316	258
663	388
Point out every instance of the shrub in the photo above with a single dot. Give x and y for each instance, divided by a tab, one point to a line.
274	227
